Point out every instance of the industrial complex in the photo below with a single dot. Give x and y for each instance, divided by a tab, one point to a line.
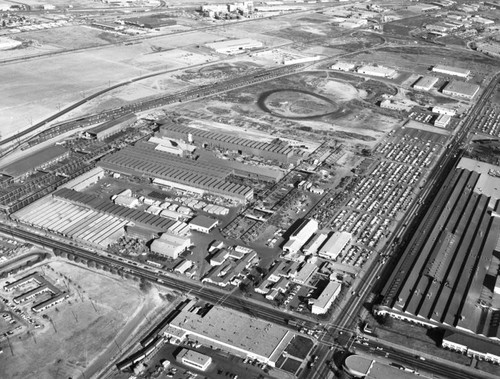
458	235
262	190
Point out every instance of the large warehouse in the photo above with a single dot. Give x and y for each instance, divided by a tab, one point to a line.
169	245
464	90
454	71
279	151
72	220
176	172
112	127
425	83
235	46
439	279
235	332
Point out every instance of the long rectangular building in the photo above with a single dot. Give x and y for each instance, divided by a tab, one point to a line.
182	173
231	331
439	279
279	151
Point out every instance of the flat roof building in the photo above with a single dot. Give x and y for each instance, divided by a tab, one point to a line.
170	245
444	110
235	46
234	332
325	300
112	127
454	71
343	66
367	368
461	89
334	245
203	224
194	359
379	71
442	121
425	83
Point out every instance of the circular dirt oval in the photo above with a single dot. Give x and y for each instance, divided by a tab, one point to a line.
296	104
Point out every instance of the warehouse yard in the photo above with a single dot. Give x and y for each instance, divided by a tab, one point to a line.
79	329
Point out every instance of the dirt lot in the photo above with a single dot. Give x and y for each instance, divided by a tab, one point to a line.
282	108
80	328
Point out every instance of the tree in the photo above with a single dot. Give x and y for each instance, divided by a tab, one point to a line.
145	285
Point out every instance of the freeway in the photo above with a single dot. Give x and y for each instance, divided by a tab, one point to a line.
212	294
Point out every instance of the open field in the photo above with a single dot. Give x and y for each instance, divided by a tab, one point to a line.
305	106
80	328
71	37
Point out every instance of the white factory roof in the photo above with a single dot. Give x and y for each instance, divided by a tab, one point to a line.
314	244
343	66
235	44
489	179
330	292
234	330
426	83
377	71
451	70
169	241
305	273
332	248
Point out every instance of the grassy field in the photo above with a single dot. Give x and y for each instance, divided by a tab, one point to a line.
79	329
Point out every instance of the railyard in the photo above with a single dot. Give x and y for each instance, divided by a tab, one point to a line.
280	192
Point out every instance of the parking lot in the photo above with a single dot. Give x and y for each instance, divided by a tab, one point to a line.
380	198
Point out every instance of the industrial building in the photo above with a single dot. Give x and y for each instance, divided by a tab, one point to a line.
203	224
73	220
334	245
378	71
315	243
367	368
99	204
235	46
444	110
442	121
45	157
86	179
461	89
343	66
325	300
110	128
194	359
229	267
170	245
175	172
305	272
425	83
301	235
439	279
276	151
454	71
231	331
472	346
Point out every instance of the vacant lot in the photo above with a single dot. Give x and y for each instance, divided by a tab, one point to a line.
79	329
